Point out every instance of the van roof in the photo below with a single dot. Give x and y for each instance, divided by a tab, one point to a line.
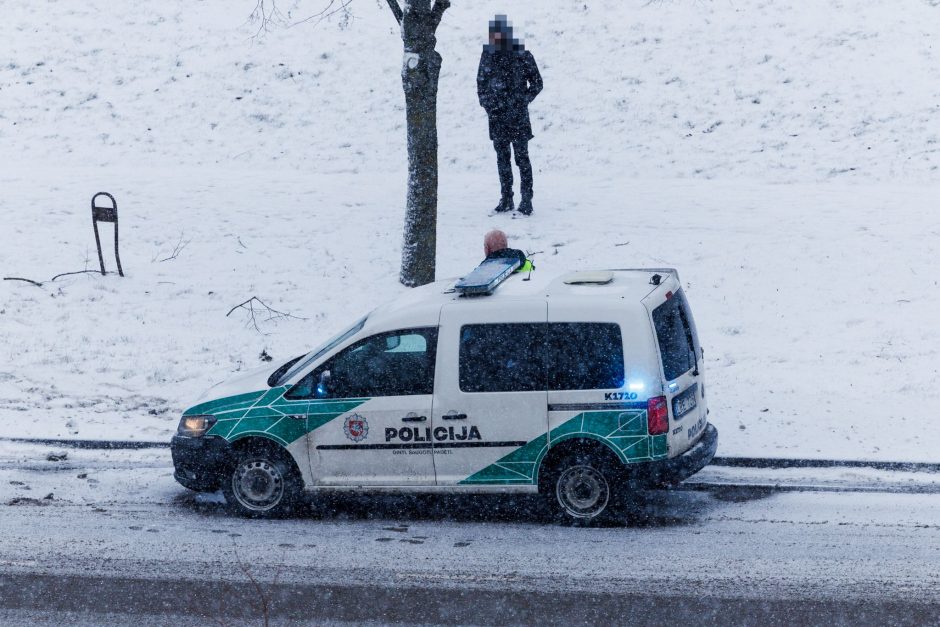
421	306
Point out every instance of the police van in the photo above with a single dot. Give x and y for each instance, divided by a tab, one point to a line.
581	386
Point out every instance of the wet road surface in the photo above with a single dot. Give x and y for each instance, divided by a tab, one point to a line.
121	543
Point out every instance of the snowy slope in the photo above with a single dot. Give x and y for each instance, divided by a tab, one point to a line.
771	90
803	225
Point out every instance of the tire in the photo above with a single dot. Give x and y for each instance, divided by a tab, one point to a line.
583	490
263	483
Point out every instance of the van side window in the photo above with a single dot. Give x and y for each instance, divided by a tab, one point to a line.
584	356
676	336
501	357
400	363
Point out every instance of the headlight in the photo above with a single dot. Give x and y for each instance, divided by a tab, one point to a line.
195	426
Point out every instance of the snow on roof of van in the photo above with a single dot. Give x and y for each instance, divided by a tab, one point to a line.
422	305
632	284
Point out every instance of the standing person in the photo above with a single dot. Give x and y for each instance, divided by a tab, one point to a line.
507	81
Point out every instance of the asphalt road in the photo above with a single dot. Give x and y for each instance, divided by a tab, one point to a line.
120	543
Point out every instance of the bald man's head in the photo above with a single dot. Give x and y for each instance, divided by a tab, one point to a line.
493	241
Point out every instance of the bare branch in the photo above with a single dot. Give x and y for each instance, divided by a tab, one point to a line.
38	284
267	15
328	12
16	278
273	314
180	245
396	10
76	272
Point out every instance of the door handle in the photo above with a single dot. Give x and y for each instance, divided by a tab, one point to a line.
414	418
454	417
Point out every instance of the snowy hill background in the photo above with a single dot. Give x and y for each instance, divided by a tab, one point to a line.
771	90
783	155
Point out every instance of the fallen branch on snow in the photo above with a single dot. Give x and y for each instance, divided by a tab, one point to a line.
180	245
38	284
16	278
77	272
273	314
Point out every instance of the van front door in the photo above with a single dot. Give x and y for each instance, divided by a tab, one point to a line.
490	404
383	386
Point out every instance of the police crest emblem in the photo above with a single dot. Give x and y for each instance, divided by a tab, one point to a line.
356	428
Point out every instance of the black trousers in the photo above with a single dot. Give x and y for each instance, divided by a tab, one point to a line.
521	149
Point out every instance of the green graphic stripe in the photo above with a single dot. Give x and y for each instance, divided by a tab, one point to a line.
318	415
624	432
269	414
229	403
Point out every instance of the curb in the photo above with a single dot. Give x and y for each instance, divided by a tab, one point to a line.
90	444
758	488
778	463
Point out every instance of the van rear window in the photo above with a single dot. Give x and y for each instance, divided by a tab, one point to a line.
675	331
540	356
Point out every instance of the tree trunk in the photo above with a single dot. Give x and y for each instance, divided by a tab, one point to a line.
421	69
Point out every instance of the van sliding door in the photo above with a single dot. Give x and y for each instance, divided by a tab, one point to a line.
490	418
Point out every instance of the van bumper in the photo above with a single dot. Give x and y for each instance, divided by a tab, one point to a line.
679	468
200	463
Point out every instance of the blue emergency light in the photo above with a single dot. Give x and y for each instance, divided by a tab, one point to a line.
487	276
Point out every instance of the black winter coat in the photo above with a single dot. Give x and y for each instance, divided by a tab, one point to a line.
507	82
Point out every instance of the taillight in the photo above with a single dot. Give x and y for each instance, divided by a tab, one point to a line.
657	415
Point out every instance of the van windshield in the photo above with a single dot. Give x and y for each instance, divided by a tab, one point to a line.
678	341
321	350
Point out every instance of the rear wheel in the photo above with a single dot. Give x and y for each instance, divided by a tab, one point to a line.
582	492
582	489
263	483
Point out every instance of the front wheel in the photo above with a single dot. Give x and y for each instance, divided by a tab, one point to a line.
262	484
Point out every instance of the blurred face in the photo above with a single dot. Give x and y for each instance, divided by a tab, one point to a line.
496	38
493	241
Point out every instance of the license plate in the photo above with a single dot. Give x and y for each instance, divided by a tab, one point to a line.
684	403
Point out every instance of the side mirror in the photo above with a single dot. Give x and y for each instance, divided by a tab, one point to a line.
392	342
323	385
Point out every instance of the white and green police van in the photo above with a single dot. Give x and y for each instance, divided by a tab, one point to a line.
582	387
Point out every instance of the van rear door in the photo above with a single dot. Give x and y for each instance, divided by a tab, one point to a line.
681	356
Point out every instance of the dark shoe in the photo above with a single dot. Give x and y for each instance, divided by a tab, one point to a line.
525	207
505	204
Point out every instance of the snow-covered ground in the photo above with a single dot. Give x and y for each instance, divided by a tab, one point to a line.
812	350
766	90
783	156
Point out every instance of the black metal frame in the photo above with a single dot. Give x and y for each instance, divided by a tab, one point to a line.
106	214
